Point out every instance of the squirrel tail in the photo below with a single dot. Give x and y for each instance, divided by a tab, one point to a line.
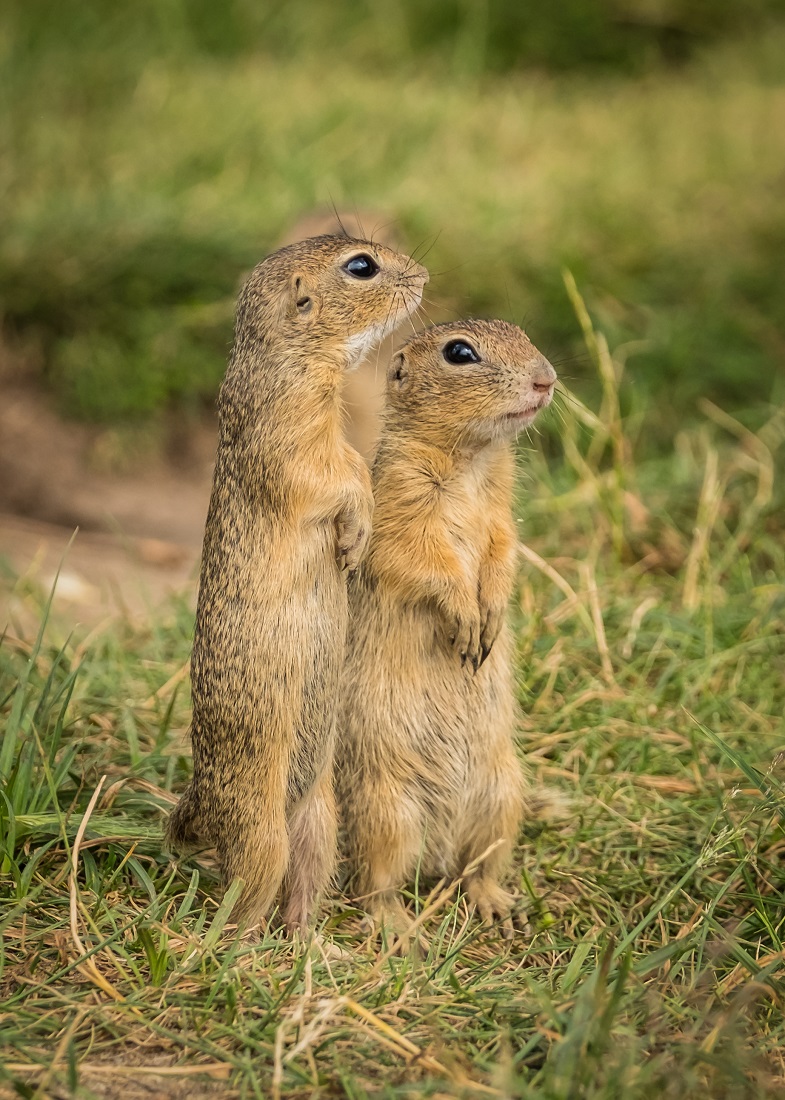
545	805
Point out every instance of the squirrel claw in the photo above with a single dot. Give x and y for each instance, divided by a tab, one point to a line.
472	659
463	636
349	554
506	929
492	623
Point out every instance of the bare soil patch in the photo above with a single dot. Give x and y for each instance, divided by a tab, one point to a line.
137	506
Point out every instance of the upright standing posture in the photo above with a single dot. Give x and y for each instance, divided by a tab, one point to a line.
426	769
290	513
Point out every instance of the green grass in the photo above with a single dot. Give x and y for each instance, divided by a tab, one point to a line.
650	619
145	170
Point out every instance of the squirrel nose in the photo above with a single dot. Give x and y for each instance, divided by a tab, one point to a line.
544	377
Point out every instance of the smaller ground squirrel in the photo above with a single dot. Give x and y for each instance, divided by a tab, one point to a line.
289	515
426	770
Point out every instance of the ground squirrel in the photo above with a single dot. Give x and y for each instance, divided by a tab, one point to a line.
290	511
426	768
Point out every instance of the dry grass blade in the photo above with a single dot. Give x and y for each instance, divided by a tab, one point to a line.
708	509
170	685
553	575
219	1071
639	614
72	883
590	583
88	966
412	1051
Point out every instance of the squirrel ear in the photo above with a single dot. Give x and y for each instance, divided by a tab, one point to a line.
398	372
302	300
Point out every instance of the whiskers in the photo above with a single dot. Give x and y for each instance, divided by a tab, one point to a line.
421	312
561	396
343	230
414	258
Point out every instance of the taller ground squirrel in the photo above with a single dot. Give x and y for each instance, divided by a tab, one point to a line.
290	514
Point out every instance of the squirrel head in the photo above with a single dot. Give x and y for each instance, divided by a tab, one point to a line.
468	383
332	296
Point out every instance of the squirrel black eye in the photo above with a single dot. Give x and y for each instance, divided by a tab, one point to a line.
361	267
459	352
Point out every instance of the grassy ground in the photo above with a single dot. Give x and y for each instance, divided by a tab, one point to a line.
142	173
651	652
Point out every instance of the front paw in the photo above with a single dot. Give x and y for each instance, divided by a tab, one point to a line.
463	631
492	618
352	531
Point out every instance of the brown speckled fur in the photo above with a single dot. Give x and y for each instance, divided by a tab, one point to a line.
290	511
426	767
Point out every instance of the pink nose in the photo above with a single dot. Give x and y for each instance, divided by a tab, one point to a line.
544	377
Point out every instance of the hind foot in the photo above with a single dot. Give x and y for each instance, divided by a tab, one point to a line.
391	920
492	904
387	915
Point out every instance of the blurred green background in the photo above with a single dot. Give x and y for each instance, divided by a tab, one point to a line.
152	152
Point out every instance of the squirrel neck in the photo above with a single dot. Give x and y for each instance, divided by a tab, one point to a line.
283	400
433	460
